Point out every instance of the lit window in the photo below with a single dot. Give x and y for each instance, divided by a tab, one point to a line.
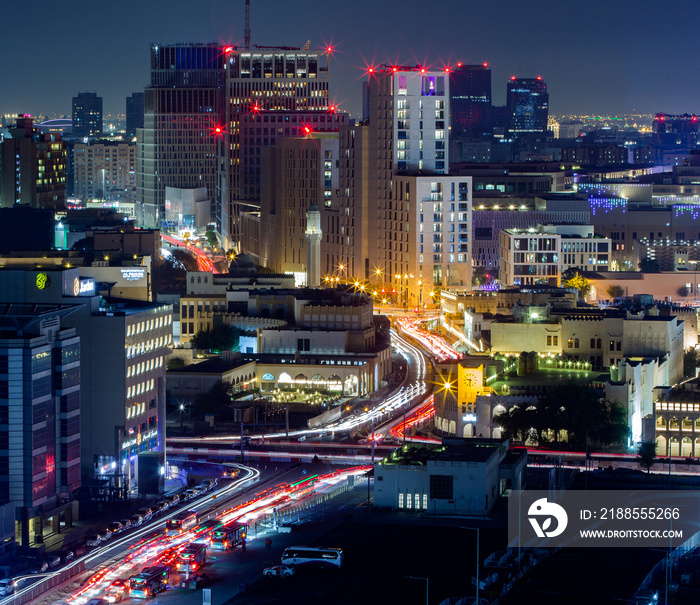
400	500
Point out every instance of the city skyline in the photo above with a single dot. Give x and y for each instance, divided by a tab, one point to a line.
600	60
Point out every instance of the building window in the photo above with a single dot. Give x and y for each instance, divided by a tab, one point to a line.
425	501
556	341
417	501
599	342
575	343
570	343
592	343
400	500
619	345
441	487
409	501
549	341
612	345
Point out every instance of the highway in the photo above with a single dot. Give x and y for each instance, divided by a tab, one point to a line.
125	556
204	263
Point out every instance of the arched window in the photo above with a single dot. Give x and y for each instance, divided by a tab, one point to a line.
673	424
575	343
660	423
599	343
570	342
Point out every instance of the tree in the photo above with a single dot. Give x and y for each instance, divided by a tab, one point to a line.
615	291
176	363
683	291
482	275
212	238
646	454
221	337
580	283
570	409
649	265
690	362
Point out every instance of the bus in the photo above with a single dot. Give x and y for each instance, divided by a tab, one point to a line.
193	557
149	582
181	522
229	536
205	531
311	556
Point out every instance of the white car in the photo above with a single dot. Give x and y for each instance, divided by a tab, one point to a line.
7	586
280	571
94	540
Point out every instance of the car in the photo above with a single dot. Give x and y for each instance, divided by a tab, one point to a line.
116	591
105	535
53	561
285	528
280	571
126	523
115	527
190	493
174	499
94	540
163	505
39	567
136	520
7	586
67	556
146	513
208	484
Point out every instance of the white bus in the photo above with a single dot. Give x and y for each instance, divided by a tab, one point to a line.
311	556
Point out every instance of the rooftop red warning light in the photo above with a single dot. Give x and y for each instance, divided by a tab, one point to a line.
486	64
512	78
539	77
228	49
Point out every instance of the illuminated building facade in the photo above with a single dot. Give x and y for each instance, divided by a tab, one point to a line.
32	168
271	93
527	103
122	367
297	173
87	115
182	107
104	170
40	438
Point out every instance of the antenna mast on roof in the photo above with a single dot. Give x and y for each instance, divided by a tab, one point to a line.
246	33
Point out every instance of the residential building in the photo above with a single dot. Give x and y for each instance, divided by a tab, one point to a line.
540	256
32	167
104	170
87	115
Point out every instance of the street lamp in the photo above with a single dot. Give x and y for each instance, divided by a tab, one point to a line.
427	587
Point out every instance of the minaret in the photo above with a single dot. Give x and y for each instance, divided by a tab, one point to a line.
313	247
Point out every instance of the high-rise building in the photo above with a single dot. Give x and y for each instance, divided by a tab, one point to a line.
470	101
134	113
182	108
32	167
297	173
527	101
403	225
87	115
123	344
103	170
40	383
271	93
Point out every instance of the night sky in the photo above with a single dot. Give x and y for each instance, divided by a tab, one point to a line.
597	56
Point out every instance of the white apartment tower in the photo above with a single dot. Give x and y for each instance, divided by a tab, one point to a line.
313	247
